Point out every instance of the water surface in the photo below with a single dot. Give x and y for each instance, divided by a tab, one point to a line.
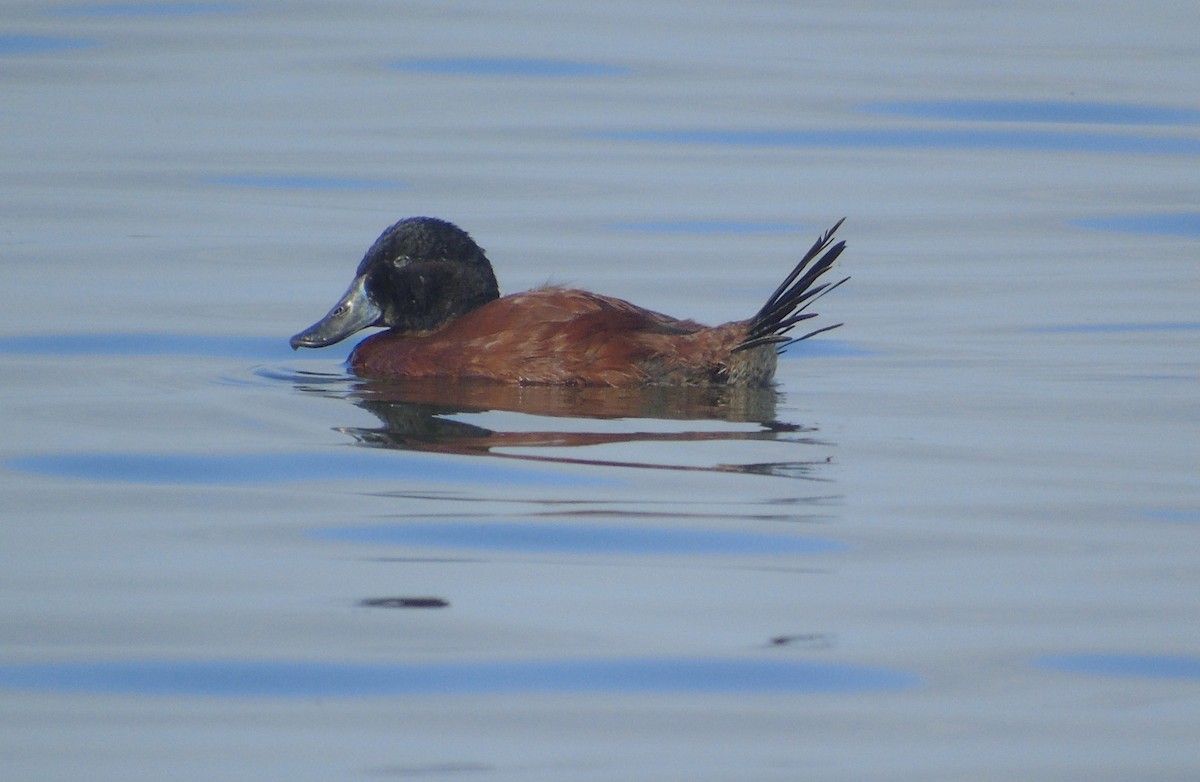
955	542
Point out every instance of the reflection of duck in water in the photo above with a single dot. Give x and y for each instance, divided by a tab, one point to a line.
422	421
429	282
560	423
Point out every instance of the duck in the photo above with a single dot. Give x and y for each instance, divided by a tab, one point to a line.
433	289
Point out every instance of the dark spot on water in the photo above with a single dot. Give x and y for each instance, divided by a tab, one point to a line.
403	602
810	641
902	138
280	679
1038	111
579	539
17	45
1149	666
509	66
1185	224
298	182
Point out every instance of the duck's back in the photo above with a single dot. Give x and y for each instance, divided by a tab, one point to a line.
564	336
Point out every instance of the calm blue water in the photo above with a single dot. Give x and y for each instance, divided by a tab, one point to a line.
955	542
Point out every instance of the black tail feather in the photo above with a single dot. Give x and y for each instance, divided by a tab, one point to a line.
785	308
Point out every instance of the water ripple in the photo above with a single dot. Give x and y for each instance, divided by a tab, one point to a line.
524	67
150	9
133	344
579	538
18	45
1116	328
1152	666
907	138
708	227
1037	111
1185	224
269	679
304	182
266	468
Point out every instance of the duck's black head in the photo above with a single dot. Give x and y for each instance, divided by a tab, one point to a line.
418	275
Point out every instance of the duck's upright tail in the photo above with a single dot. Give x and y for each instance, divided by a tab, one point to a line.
787	305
